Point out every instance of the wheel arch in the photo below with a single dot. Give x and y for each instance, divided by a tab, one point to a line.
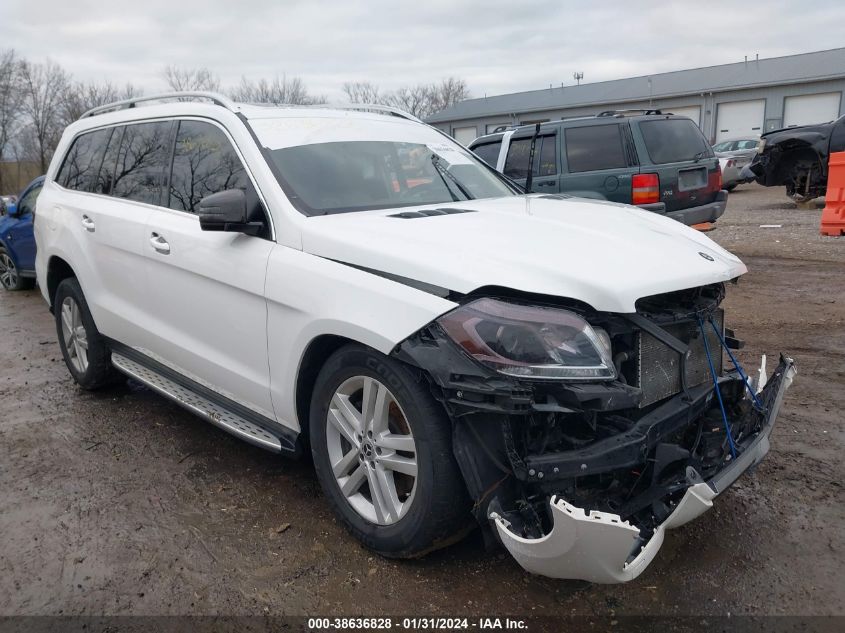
313	358
57	271
790	152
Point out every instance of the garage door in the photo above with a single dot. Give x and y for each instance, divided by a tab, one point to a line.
739	119
808	109
693	112
464	135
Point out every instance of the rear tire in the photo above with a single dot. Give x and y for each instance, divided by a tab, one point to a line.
86	354
10	277
393	428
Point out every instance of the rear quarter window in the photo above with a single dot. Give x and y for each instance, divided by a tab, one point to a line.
594	147
488	152
82	163
516	164
673	140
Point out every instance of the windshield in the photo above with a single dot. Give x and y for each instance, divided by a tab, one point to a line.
359	175
674	141
330	165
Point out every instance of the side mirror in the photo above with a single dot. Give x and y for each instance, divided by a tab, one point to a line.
226	211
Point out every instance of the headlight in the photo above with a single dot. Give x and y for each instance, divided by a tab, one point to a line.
531	342
761	144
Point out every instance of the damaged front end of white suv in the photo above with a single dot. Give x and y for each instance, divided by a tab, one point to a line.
584	435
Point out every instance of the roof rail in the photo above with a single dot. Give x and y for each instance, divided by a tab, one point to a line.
370	107
631	111
214	97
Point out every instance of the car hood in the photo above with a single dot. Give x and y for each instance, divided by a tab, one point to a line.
605	254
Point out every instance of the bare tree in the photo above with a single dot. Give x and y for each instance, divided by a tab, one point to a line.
79	97
10	101
362	92
180	79
447	93
279	90
42	87
421	100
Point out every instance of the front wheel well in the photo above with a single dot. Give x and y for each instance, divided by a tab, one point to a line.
57	271
315	356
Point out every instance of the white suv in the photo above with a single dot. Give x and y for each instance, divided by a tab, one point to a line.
452	352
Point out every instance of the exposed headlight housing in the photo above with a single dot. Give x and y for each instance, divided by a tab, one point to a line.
761	144
531	342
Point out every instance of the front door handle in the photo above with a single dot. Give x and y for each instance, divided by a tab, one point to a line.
88	223
160	244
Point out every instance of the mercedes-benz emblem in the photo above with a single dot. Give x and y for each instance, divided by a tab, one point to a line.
706	256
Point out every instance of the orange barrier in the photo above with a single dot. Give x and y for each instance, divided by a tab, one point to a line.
704	226
833	216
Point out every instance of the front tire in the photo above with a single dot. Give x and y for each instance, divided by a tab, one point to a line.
10	277
85	351
383	455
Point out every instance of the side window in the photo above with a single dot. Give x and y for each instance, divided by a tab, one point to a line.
489	152
204	162
594	147
547	162
80	167
142	162
27	203
516	164
105	177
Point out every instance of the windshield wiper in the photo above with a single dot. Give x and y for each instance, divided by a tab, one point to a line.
700	155
445	173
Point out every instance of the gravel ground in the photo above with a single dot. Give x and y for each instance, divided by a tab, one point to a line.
121	503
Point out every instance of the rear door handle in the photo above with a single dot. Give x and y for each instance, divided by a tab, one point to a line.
88	223
160	244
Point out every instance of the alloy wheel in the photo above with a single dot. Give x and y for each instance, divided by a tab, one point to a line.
371	450
8	271
74	334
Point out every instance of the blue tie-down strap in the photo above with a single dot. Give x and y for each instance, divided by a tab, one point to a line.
716	388
738	367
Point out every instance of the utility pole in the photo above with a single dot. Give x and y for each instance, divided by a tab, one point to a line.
578	77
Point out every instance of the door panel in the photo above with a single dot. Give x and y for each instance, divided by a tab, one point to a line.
207	287
210	316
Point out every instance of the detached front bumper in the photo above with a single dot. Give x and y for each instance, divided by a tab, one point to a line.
600	547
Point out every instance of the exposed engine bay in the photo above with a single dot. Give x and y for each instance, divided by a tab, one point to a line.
623	451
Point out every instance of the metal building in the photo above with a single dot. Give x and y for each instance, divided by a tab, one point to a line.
727	101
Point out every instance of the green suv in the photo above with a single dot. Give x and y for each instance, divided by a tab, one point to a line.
660	162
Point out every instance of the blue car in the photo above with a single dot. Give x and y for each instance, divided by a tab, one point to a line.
17	243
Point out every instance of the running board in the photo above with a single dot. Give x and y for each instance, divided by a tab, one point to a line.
200	405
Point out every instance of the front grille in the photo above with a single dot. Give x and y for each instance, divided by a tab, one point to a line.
659	366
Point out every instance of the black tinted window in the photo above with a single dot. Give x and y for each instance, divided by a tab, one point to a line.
27	203
82	163
489	152
204	162
547	162
105	179
142	162
516	164
594	147
673	140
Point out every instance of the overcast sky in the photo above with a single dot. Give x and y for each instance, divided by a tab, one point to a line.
496	46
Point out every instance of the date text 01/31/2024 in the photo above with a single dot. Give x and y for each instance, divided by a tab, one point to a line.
415	624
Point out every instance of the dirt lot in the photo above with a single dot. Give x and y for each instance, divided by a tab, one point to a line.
121	503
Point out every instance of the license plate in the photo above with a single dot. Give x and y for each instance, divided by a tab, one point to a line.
692	179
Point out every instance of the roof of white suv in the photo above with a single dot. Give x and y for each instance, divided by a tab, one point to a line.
249	110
